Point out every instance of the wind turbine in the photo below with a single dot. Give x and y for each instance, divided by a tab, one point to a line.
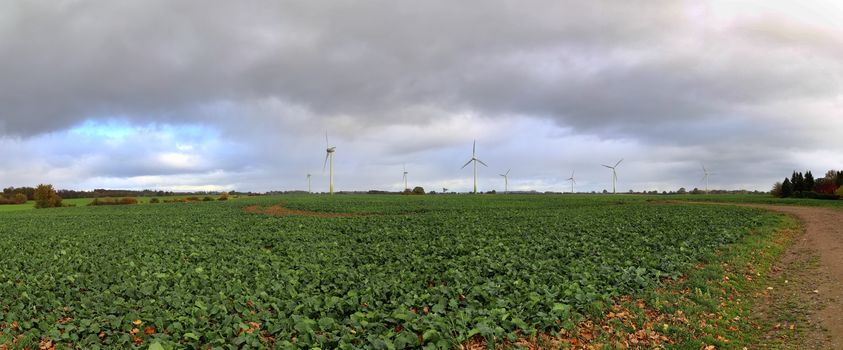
573	181
404	166
308	184
329	156
444	190
706	174
505	181
614	173
475	160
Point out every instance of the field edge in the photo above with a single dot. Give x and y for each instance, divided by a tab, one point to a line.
708	308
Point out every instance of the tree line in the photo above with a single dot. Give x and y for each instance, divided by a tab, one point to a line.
45	196
804	185
29	192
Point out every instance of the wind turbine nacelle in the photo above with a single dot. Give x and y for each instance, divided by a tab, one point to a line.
331	149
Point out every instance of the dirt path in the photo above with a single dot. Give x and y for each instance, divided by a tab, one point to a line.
812	275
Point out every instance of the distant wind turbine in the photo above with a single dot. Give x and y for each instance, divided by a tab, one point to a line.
706	174
444	190
475	160
614	173
573	181
308	184
329	157
505	181
404	166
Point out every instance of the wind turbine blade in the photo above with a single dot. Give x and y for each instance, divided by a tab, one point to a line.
481	162
466	164
507	171
610	167
474	148
326	162
618	163
572	174
704	169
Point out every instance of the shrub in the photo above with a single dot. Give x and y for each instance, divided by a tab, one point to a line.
224	196
825	186
46	197
207	199
776	191
418	190
154	201
192	199
17	198
839	191
826	196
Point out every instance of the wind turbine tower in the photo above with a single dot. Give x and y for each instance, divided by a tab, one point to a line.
573	181
404	166
308	184
505	181
329	158
475	160
706	174
614	174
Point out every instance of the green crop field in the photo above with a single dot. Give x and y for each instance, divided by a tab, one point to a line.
391	272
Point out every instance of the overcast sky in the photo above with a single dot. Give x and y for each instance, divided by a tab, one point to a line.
224	95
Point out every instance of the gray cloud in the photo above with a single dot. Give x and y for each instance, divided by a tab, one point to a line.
79	59
417	79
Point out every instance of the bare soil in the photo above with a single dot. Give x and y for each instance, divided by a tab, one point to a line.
803	306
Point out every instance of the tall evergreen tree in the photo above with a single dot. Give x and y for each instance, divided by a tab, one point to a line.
808	185
787	188
799	184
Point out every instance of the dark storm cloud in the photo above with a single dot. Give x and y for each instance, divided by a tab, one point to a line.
66	61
